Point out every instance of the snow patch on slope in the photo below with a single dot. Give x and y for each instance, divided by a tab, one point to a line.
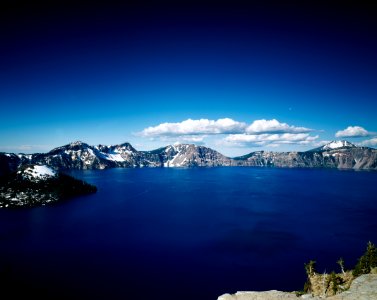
37	172
113	156
337	144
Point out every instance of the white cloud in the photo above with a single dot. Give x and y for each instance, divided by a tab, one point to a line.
220	126
195	127
259	133
273	126
270	139
370	143
353	131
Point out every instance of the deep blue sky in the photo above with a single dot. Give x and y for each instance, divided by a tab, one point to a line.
105	73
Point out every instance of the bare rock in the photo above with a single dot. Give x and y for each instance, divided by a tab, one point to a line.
363	287
268	295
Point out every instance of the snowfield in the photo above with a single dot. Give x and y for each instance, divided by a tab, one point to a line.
39	172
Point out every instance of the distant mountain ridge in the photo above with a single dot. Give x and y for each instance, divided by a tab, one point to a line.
79	155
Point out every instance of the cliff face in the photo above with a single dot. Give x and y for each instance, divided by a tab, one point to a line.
363	287
184	155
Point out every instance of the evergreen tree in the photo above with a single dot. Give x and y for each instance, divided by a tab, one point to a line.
310	267
367	261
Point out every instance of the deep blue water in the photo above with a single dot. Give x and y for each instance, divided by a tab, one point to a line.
191	233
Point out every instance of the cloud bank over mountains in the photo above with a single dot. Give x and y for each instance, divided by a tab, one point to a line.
271	139
233	133
195	127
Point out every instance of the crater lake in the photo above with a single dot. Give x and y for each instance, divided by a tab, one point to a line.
189	233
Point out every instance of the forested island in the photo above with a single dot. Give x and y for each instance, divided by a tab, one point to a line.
35	185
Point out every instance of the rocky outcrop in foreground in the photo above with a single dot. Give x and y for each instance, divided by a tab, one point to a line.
363	287
268	295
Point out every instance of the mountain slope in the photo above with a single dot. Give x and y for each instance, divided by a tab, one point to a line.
79	155
184	155
341	154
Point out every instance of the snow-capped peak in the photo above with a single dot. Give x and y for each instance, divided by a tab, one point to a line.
77	143
37	172
337	144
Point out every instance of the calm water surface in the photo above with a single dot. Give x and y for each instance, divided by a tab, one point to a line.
191	233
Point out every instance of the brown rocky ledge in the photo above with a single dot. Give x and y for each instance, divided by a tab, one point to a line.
363	287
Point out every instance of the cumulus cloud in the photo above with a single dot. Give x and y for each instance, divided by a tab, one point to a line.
220	126
258	133
353	131
273	126
270	139
195	127
371	143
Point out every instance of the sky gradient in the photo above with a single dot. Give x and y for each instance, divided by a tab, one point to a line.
234	77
